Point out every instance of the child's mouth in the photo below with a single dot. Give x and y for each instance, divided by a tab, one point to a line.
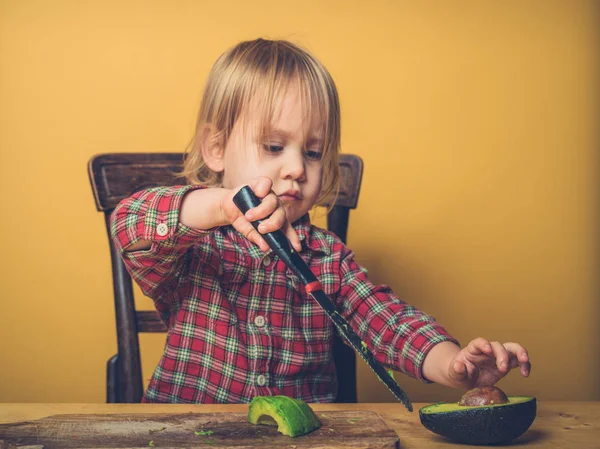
288	198
290	195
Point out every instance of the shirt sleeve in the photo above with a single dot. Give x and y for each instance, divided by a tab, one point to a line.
398	334
153	215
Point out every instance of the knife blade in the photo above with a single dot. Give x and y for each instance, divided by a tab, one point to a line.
245	199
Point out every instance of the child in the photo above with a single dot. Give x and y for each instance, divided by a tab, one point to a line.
239	322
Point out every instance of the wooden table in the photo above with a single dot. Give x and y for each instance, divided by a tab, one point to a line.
565	425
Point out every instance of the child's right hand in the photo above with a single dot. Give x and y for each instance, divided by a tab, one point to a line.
270	205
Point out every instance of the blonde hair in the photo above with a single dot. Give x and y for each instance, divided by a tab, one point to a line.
268	68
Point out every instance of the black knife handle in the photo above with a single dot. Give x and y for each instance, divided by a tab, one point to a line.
245	199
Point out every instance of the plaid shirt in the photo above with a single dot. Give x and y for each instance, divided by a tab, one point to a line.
240	323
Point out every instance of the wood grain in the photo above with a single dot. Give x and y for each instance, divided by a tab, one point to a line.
558	425
340	429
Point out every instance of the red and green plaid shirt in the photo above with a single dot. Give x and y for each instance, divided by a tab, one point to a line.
240	323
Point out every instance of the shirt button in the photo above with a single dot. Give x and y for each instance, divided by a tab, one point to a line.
261	380
259	321
266	261
162	229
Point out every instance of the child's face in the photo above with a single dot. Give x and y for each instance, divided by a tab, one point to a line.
290	156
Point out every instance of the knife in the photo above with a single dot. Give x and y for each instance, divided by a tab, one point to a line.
245	199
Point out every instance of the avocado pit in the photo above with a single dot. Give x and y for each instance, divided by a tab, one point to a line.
483	396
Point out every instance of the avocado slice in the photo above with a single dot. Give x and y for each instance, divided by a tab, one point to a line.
293	417
481	424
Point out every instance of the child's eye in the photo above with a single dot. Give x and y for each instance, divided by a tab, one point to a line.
273	148
314	155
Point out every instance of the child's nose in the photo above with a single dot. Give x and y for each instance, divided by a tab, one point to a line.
293	166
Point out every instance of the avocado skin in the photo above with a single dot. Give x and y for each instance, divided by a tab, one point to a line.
482	425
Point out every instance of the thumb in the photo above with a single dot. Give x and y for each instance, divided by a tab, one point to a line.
458	371
261	186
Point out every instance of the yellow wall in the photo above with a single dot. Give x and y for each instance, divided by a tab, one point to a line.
477	122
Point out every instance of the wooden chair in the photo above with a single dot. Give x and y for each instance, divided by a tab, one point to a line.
117	176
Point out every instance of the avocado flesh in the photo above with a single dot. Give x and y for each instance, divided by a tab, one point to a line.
486	424
292	416
452	406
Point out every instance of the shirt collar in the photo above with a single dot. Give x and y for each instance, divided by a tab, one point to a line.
305	235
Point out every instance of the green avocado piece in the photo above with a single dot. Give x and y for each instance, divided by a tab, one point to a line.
292	416
484	424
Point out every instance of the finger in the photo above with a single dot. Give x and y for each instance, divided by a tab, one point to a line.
519	357
267	206
276	221
524	367
519	351
246	229
291	234
501	355
479	346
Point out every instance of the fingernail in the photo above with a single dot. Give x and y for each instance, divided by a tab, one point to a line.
249	216
261	228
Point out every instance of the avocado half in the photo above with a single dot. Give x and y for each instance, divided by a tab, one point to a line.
482	424
292	416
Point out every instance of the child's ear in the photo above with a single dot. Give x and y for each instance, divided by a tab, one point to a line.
213	149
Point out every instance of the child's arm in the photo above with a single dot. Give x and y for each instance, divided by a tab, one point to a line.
146	231
199	210
209	208
404	338
480	363
399	335
154	228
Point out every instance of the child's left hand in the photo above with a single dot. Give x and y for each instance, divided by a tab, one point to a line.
483	363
